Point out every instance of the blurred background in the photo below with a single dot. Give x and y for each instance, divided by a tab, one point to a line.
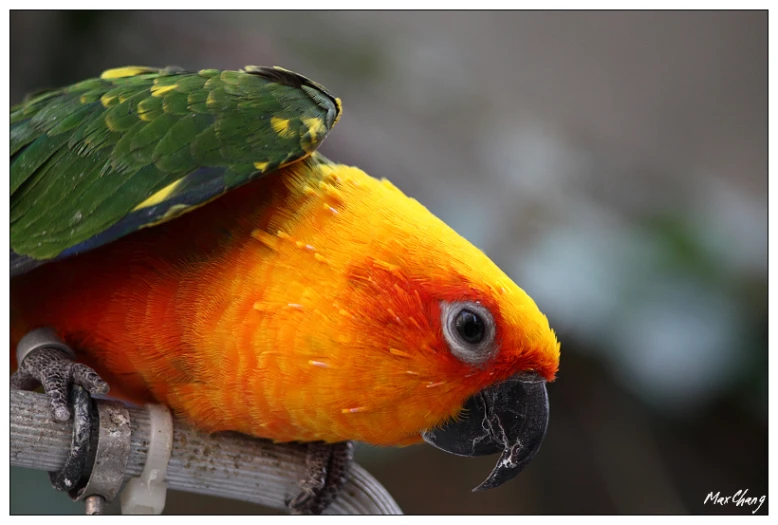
614	164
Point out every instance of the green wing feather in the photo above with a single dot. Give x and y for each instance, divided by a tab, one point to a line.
138	146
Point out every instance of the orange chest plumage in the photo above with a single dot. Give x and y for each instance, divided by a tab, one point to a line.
277	310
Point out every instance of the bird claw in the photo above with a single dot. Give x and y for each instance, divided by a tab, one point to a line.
327	469
53	367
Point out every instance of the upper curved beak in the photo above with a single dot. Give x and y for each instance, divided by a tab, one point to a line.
510	418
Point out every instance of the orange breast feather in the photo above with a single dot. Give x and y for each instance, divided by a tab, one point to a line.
303	306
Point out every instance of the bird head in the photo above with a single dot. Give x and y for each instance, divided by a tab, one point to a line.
443	345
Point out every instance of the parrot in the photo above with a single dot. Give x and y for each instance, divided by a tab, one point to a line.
181	234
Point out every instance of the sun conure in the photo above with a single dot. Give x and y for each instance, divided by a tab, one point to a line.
291	298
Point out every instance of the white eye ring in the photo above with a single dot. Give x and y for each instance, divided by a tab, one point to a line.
473	349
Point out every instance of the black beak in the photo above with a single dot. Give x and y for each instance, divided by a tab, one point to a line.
510	418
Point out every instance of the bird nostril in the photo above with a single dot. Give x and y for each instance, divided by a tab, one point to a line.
529	376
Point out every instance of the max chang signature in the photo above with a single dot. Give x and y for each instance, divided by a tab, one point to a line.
740	499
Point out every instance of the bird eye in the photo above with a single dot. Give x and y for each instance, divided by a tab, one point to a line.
470	326
469	331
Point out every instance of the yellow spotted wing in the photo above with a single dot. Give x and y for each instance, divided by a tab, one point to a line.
102	158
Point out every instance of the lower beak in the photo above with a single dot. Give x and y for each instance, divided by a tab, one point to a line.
510	418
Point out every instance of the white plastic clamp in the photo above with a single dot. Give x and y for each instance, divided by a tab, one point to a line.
41	338
146	494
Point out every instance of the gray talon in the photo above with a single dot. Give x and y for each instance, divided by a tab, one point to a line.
327	468
54	368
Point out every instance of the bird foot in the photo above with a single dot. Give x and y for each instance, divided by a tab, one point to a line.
327	469
44	359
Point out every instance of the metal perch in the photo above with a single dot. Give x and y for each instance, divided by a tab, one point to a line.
229	465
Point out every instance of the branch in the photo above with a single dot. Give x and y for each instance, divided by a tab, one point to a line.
229	465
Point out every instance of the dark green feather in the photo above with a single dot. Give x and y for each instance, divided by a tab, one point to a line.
85	157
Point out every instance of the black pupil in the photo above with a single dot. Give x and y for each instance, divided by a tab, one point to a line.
470	327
